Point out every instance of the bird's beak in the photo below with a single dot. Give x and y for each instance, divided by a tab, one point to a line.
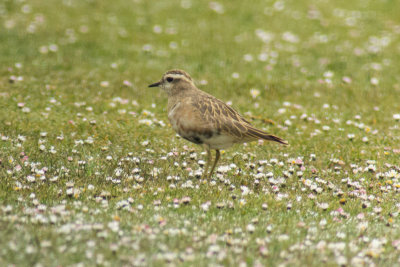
155	84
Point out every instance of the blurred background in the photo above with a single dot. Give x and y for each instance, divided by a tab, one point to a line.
284	48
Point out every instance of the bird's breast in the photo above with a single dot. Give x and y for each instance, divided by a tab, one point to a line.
186	122
173	115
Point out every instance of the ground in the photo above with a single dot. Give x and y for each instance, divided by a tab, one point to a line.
91	172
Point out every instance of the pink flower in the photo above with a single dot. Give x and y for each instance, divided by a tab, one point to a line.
396	243
299	162
336	219
346	79
360	216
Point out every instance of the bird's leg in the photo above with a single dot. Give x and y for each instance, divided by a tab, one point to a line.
217	155
207	163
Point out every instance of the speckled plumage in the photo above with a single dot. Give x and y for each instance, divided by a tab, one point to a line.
203	119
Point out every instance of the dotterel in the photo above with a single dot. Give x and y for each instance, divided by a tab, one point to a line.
205	120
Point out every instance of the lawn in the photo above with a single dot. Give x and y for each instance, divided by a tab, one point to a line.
91	173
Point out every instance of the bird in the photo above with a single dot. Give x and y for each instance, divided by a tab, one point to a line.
204	119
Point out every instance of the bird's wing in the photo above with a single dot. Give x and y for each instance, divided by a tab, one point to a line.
225	119
213	108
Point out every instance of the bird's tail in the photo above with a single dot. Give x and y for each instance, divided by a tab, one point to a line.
258	134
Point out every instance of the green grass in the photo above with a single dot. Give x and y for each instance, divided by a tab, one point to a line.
85	181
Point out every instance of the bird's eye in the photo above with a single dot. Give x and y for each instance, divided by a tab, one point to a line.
170	79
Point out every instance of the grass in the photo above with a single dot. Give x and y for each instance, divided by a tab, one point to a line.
92	174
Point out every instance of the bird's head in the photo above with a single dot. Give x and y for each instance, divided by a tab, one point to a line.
174	81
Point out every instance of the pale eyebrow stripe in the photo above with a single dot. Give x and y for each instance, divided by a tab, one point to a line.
180	76
178	72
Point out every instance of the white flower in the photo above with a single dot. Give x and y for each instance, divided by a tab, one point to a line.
254	93
122	204
157	29
273	161
250	228
205	206
286	104
43	49
248	57
374	81
223	168
217	7
263	57
89	140
341	261
396	117
114	226
69	191
145	143
351	136
245	190
264	36
118	172
186	4
290	37
362	226
288	123
337	246
147	47
324	206
341	235
104	84
346	79
328	74
53	47
283	237
146	121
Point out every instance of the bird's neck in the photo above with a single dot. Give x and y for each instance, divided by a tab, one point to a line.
179	91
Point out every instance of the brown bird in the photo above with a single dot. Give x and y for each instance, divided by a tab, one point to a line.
205	120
